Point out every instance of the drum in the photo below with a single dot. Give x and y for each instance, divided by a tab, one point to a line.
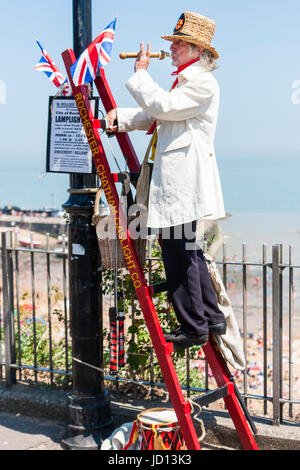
158	429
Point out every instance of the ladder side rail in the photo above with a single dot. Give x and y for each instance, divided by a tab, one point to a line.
215	362
102	167
181	406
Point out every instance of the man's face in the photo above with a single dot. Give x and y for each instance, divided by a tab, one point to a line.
181	52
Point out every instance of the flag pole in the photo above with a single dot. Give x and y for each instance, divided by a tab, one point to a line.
90	418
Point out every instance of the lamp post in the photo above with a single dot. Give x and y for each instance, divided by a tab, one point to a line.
90	419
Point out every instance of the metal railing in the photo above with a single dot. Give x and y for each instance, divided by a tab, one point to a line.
19	313
263	296
278	314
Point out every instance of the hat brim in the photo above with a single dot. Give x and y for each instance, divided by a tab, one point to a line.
198	42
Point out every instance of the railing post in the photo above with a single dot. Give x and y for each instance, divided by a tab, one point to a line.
265	327
276	333
245	315
291	331
8	314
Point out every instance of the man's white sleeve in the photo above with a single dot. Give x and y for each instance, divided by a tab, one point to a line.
185	102
131	119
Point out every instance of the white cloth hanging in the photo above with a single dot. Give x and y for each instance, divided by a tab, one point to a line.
230	343
119	438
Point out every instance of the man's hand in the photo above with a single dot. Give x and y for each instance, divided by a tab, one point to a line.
143	59
111	117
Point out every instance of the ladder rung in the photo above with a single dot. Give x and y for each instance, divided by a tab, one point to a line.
98	123
120	177
169	348
159	287
214	395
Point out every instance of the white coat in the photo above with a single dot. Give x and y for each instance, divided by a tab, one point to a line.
185	183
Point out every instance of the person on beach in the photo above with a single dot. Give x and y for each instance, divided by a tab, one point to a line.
185	185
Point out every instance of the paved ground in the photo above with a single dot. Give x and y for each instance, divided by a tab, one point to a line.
36	419
19	432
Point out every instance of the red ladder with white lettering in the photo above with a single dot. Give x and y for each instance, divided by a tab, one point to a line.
227	388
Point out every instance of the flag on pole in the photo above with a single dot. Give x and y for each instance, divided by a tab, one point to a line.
47	66
96	55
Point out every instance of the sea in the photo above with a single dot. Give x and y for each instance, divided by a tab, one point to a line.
261	195
262	200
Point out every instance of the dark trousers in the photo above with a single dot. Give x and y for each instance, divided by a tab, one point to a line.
190	287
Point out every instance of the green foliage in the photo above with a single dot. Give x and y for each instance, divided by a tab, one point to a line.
32	338
27	343
196	379
137	339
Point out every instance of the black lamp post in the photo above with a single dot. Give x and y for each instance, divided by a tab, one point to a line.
90	419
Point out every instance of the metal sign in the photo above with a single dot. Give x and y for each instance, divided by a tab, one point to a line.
68	149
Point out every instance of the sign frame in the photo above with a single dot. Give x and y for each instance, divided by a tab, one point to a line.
50	137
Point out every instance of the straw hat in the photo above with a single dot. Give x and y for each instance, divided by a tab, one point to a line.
195	28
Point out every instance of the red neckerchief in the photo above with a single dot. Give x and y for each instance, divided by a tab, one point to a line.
180	68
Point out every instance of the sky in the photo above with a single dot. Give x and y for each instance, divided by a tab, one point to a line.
258	42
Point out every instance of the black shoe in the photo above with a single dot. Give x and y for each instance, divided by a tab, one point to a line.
182	340
169	336
218	328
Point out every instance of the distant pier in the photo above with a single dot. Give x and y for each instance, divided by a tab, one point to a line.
40	224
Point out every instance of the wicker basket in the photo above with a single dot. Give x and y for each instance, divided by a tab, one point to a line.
110	248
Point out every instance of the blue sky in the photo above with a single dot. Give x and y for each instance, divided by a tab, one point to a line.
258	42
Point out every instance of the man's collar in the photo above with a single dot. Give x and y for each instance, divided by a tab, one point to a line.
189	72
184	66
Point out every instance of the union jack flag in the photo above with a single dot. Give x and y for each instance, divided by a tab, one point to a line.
47	66
96	55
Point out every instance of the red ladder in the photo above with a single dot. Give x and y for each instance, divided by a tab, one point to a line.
163	350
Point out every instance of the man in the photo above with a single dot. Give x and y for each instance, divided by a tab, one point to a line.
185	185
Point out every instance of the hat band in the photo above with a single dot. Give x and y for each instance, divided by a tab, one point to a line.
182	34
192	37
